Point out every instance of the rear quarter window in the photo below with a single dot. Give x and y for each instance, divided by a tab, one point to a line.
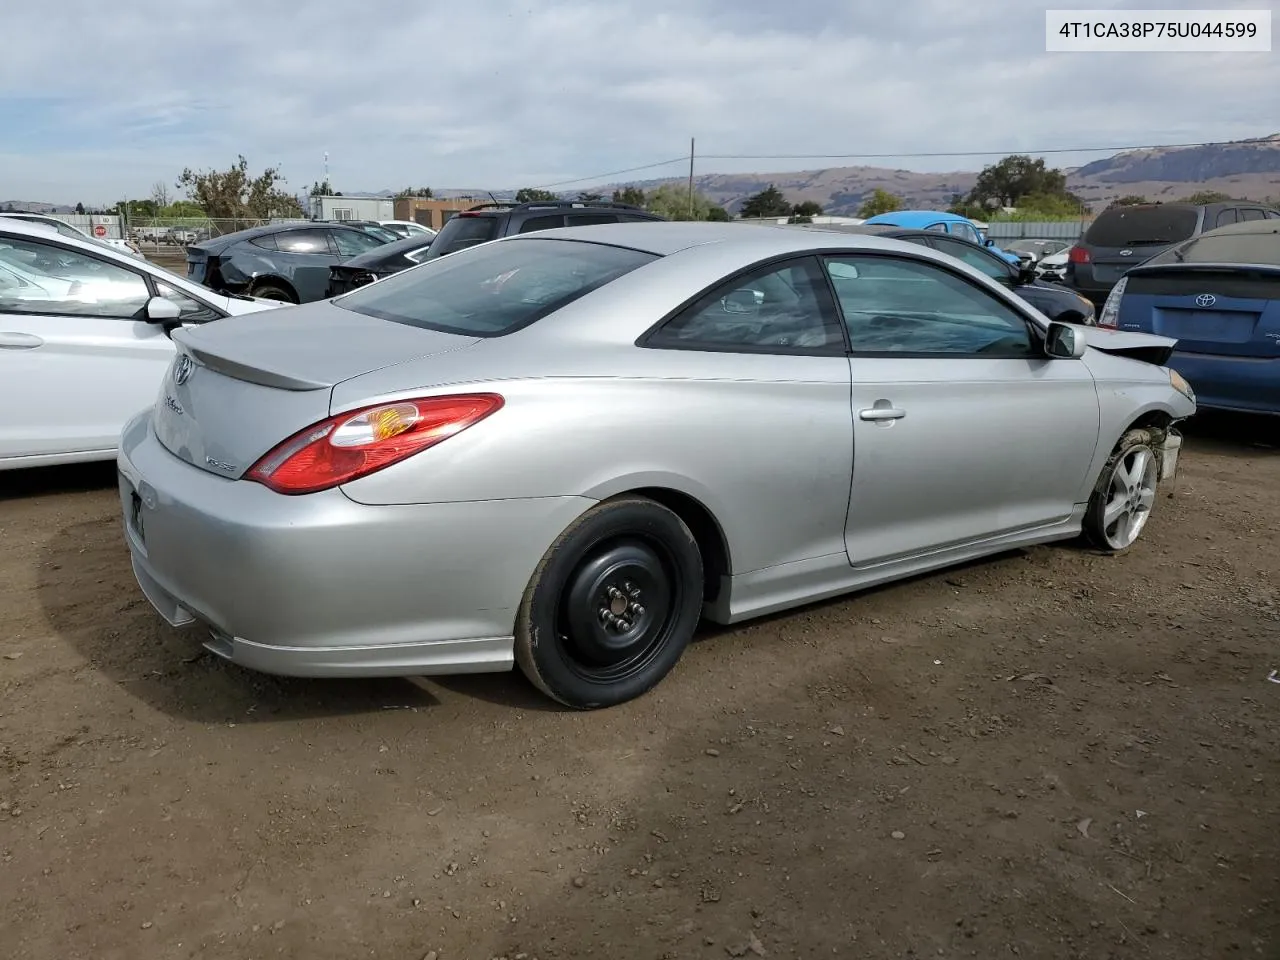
462	232
1129	226
496	289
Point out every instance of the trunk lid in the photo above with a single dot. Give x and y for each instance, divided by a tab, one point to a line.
1217	309
238	387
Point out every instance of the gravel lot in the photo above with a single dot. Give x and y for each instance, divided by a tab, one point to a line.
1051	754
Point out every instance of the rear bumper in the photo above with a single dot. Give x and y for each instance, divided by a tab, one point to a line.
319	585
1239	384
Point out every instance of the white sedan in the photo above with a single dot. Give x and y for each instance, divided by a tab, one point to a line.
84	341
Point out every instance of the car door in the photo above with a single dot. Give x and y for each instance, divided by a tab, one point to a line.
77	357
309	254
964	430
755	375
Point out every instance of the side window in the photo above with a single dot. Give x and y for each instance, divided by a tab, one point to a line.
937	228
303	241
542	223
58	280
587	219
267	242
777	309
1225	217
964	230
975	257
1273	214
894	305
1252	213
193	311
352	243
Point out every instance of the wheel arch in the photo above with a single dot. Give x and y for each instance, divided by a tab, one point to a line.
273	280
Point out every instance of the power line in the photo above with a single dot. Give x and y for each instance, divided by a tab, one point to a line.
953	153
612	173
891	156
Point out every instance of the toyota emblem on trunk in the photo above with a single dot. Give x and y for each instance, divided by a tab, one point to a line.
1206	300
182	371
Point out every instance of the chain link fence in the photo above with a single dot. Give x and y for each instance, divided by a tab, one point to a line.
173	236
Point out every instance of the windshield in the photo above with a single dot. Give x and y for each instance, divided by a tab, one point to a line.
497	289
1133	226
461	232
1214	247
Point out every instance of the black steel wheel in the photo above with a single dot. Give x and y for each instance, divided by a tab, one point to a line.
612	605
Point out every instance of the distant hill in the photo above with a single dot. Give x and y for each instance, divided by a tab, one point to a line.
34	206
1247	169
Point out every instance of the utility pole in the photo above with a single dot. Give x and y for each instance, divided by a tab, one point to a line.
691	178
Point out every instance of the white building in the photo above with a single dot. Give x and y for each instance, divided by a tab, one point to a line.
352	208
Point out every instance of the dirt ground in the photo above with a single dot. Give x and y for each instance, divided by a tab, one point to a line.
1052	754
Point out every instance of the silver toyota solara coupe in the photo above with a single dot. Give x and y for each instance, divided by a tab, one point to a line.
561	450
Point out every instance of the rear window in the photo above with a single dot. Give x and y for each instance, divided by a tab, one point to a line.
496	289
1229	247
1133	226
462	232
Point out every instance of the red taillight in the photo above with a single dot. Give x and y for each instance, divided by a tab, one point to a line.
358	442
1078	255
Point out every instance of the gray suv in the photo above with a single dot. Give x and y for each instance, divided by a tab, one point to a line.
1123	237
489	221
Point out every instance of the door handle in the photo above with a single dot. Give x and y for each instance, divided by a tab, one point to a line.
11	340
881	413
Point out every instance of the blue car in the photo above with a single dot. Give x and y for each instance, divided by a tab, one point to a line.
940	222
1218	294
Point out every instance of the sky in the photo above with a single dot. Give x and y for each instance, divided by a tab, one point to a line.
108	98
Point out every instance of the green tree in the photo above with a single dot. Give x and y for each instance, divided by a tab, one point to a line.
1207	196
963	208
1128	200
587	197
631	195
232	194
1006	183
671	200
880	201
80	208
769	202
534	195
805	211
422	192
718	214
323	188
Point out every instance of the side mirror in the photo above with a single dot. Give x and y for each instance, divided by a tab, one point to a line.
1064	342
1026	273
160	310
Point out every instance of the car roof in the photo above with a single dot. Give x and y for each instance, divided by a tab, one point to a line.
916	218
666	237
43	231
1245	227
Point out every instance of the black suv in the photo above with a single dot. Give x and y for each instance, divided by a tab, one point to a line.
1123	237
490	221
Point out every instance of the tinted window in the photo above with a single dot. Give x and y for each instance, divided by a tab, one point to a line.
1131	226
193	311
352	243
893	305
782	308
267	242
303	241
1252	213
496	289
1225	217
55	280
587	219
542	223
461	232
975	257
1227	248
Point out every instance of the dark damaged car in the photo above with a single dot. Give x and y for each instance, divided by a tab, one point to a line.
288	262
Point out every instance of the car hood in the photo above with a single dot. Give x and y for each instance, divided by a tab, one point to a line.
237	306
1138	346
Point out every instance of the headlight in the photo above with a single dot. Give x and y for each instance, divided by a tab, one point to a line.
1180	384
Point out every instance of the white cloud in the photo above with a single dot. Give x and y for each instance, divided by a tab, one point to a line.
502	94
